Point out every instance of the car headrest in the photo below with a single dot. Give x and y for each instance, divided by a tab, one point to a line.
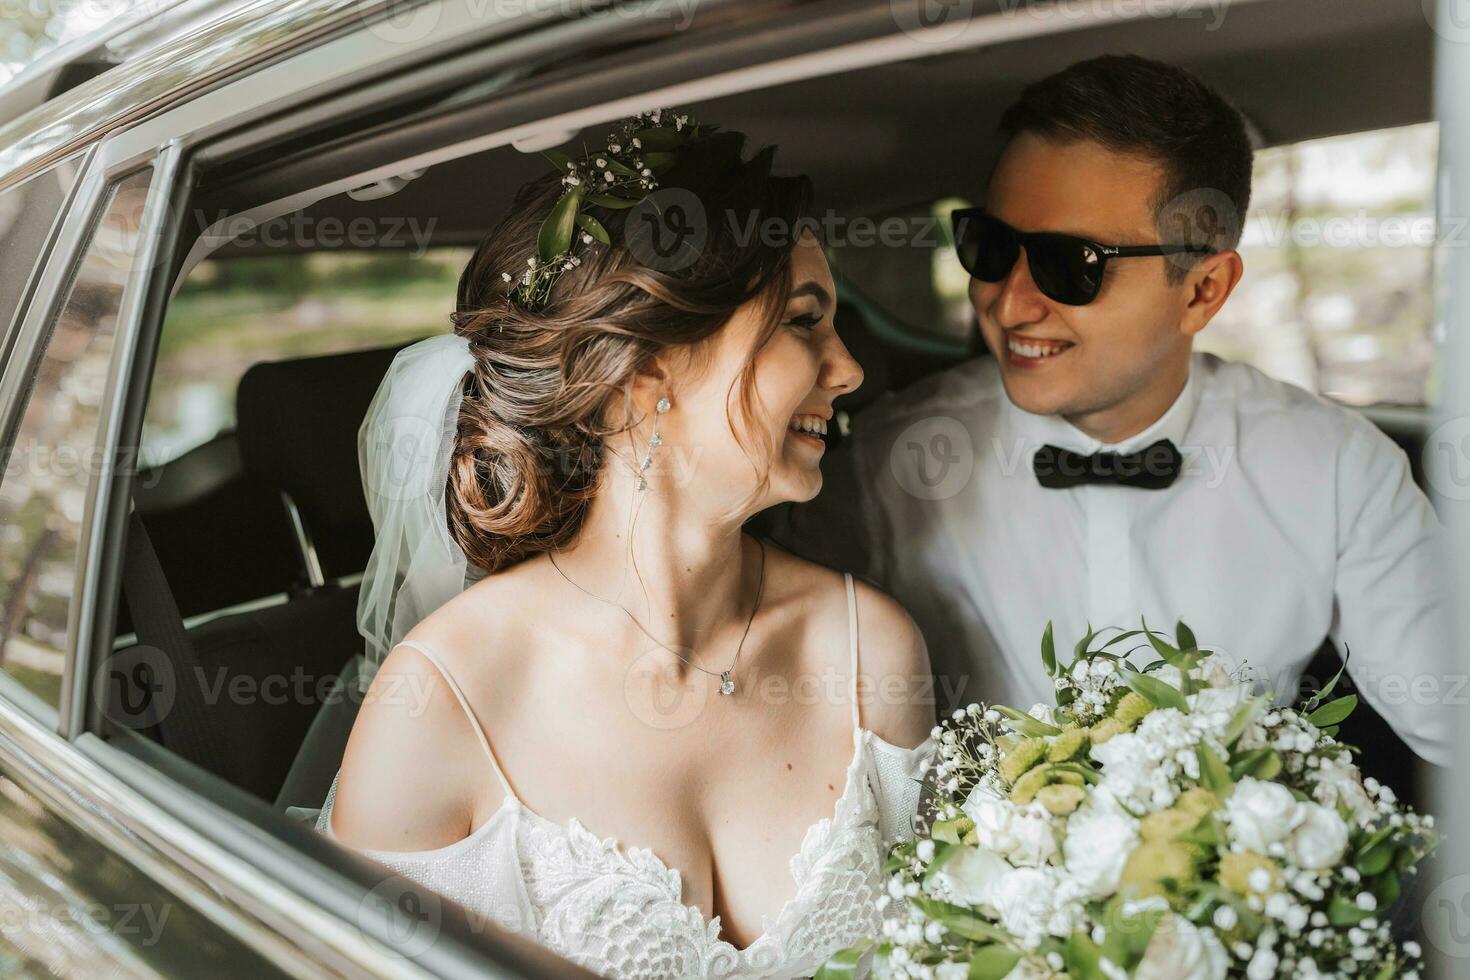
297	422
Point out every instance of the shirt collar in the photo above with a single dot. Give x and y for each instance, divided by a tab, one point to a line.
1057	431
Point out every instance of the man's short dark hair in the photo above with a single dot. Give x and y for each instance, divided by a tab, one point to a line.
1138	106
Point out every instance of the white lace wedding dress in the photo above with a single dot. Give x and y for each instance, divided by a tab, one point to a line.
619	911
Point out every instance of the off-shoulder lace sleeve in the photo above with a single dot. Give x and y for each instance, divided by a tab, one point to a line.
900	779
481	872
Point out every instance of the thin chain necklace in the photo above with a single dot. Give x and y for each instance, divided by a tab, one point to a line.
727	683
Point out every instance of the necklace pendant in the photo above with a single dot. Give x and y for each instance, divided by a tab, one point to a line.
727	686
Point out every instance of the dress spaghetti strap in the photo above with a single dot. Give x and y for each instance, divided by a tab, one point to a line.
465	704
852	642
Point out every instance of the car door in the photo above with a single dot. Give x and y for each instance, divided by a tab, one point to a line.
79	894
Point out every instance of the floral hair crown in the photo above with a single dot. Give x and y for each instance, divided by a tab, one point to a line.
621	176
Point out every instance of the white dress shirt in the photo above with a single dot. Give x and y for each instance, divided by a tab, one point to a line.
1292	520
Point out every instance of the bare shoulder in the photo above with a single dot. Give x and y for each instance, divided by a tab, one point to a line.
895	686
895	690
414	769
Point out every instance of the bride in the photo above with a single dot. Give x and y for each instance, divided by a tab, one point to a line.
653	743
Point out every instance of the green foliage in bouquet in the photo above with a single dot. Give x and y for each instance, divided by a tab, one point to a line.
1163	822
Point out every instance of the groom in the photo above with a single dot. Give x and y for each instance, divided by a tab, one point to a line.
1096	469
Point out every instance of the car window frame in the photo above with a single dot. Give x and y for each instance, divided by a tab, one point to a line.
10	326
21	349
236	113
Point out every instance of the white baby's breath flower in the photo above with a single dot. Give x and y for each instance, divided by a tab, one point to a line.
1262	965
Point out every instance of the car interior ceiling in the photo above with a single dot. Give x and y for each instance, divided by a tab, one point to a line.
260	531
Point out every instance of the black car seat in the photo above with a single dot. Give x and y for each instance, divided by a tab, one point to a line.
265	671
201	505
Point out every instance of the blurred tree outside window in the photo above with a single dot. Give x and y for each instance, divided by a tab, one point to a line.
1338	250
234	312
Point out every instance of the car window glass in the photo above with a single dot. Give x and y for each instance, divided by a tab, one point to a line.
903	261
1338	246
28	212
43	484
235	311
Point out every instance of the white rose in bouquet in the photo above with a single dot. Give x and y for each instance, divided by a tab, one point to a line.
1035	838
1336	780
1025	901
1099	839
969	876
992	814
1181	950
1022	834
1320	839
1261	814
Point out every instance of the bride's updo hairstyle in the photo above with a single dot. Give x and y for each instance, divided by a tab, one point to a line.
533	424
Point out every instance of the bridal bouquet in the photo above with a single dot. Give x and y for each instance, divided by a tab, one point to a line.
1164	823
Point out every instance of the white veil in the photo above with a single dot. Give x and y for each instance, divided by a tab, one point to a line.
403	450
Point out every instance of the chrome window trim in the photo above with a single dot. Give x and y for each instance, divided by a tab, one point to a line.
340	62
151	226
9	330
26	700
17	367
264	33
24	346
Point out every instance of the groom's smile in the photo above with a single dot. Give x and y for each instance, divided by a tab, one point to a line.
1031	352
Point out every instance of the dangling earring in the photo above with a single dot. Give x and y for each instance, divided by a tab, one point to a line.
654	441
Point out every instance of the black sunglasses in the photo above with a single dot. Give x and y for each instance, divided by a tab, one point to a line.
1066	268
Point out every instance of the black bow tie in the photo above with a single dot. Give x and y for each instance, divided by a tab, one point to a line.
1152	468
